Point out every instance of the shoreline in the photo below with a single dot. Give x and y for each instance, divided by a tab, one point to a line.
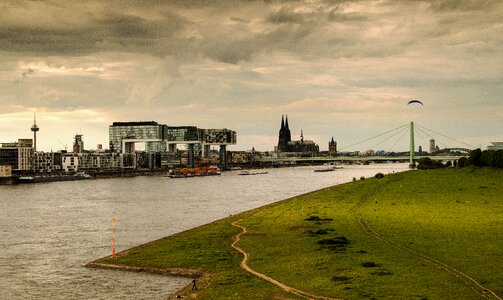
202	277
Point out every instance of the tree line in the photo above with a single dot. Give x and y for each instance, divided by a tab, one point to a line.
477	158
486	158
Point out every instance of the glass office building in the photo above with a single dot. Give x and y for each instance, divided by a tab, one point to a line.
149	132
157	137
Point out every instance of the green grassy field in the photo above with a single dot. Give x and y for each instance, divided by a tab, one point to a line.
315	243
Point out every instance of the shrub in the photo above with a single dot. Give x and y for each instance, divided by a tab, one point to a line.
427	163
340	240
340	278
369	264
379	175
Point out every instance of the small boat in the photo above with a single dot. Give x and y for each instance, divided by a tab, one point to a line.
325	170
193	172
246	172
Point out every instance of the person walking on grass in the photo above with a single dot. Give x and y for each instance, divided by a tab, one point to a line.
194	287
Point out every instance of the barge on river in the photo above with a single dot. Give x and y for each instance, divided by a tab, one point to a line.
193	172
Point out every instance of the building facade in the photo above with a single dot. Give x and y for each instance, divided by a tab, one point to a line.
46	162
17	154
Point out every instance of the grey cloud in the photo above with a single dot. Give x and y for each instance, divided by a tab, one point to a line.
464	5
28	72
336	16
285	15
240	20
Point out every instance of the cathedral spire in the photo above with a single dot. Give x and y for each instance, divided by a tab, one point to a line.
286	122
282	122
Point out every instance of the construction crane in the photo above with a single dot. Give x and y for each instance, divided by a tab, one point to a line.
64	145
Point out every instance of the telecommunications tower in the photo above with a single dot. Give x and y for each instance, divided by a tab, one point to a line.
35	128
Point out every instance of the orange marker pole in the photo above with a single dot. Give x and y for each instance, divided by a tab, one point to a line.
113	237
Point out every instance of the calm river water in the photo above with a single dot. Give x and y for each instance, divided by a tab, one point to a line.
48	231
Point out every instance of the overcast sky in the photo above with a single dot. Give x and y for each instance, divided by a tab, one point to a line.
338	68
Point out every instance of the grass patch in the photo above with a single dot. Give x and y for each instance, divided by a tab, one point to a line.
417	209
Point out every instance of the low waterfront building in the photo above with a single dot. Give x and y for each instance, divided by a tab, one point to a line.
46	162
104	161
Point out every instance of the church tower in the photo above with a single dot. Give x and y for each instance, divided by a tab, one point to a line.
332	147
284	135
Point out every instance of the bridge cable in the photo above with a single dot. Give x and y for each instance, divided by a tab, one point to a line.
430	136
471	146
371	138
400	138
402	131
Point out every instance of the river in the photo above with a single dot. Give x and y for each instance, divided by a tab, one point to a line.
48	231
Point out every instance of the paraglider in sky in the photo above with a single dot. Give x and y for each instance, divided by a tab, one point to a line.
415	101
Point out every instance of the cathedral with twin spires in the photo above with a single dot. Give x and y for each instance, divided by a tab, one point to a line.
285	143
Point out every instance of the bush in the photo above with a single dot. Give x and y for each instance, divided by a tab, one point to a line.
462	162
340	278
362	178
427	163
369	264
379	175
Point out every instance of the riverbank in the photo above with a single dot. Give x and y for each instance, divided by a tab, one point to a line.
407	235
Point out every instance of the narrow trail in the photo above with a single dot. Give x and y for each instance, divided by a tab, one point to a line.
244	265
467	280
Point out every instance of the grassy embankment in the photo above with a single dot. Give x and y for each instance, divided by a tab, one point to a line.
315	243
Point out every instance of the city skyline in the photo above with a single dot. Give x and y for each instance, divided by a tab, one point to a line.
338	68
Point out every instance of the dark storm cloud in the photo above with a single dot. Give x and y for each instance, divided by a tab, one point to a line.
92	32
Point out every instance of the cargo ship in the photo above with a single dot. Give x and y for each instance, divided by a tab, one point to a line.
52	178
193	172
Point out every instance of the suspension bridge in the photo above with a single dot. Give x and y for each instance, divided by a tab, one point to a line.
447	153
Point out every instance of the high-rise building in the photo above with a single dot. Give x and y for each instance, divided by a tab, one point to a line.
78	144
432	146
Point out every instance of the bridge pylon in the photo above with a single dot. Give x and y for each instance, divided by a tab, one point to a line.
412	164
